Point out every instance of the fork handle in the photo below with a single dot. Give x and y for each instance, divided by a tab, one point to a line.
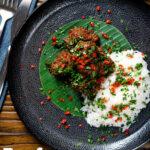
2	25
3	71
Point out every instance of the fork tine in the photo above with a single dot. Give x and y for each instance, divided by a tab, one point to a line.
15	4
2	2
11	3
7	2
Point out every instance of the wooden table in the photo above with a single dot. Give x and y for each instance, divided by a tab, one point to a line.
13	133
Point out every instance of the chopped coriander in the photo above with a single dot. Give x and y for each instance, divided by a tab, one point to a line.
121	21
89	136
139	66
74	12
127	29
100	16
79	144
99	140
91	17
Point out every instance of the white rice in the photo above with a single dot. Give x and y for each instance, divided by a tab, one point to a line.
96	116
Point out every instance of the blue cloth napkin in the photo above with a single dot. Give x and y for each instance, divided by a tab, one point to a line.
4	43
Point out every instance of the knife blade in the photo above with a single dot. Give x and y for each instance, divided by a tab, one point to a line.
20	17
18	20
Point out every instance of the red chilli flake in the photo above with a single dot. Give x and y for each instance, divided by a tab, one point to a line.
85	55
60	99
106	36
63	66
142	54
116	120
41	119
131	56
42	102
80	125
103	138
121	67
113	90
115	133
127	131
92	67
129	68
78	48
92	24
63	121
54	43
39	50
140	78
32	66
108	11
108	21
43	42
94	54
70	97
49	91
124	73
102	33
67	113
125	107
98	8
83	17
48	98
120	119
81	66
67	126
114	44
109	50
110	116
54	39
58	126
47	64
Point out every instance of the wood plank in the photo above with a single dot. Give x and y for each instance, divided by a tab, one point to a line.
8	108
14	134
8	98
9	116
148	2
12	126
8	103
20	139
27	147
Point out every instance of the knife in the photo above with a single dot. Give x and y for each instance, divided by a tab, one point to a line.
20	17
18	20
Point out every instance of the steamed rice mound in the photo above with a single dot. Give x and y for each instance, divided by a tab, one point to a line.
123	94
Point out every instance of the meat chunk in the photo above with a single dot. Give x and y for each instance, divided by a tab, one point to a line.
85	64
62	65
80	33
94	60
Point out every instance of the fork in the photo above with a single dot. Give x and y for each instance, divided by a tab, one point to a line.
7	11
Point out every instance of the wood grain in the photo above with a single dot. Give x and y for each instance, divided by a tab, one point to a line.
13	133
26	147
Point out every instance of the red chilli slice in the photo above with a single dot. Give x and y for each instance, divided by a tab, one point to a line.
92	24
127	131
63	121
32	66
98	8
67	113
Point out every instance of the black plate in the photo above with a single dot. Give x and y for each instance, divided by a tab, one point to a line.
24	83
